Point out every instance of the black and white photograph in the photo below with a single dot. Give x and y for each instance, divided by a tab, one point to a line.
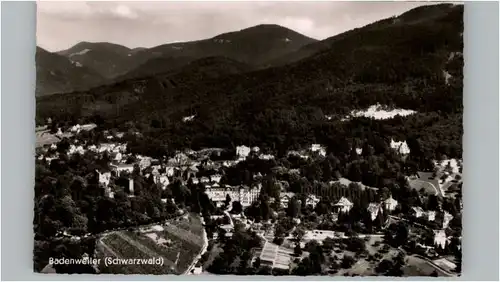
252	138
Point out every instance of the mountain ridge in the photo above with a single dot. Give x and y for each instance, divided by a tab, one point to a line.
56	73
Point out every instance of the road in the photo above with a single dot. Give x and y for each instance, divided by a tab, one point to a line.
202	252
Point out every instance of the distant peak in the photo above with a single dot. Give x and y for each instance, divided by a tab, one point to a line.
269	26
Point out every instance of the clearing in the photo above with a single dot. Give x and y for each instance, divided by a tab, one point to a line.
178	242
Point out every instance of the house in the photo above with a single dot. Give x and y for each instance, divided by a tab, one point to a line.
446	219
198	269
162	180
246	196
401	147
318	235
390	204
170	170
118	168
297	154
131	186
144	162
343	205
417	212
188	118
103	147
374	209
440	239
266	157
215	178
118	157
312	200
75	128
285	198
431	215
190	171
242	152
76	150
319	149
104	178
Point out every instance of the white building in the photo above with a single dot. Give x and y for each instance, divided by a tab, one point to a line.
417	211
197	270
431	215
215	178
374	209
390	204
118	157
245	196
318	148
318	235
76	150
162	180
266	157
242	152
400	147
131	186
285	198
104	178
312	200
343	205
446	220
122	167
106	147
170	170
440	238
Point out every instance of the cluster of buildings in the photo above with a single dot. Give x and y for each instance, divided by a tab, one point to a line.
387	205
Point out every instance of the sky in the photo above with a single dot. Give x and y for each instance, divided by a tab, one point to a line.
62	24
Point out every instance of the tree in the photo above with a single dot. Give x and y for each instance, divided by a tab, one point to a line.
228	200
299	233
297	250
256	263
347	261
293	209
237	208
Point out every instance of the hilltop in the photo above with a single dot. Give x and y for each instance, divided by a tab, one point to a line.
254	45
378	32
56	74
107	59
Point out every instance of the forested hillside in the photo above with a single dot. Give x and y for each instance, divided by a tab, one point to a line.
413	61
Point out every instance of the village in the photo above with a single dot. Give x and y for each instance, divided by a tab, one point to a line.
233	203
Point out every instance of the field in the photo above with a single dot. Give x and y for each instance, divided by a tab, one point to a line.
377	251
420	267
177	242
44	137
